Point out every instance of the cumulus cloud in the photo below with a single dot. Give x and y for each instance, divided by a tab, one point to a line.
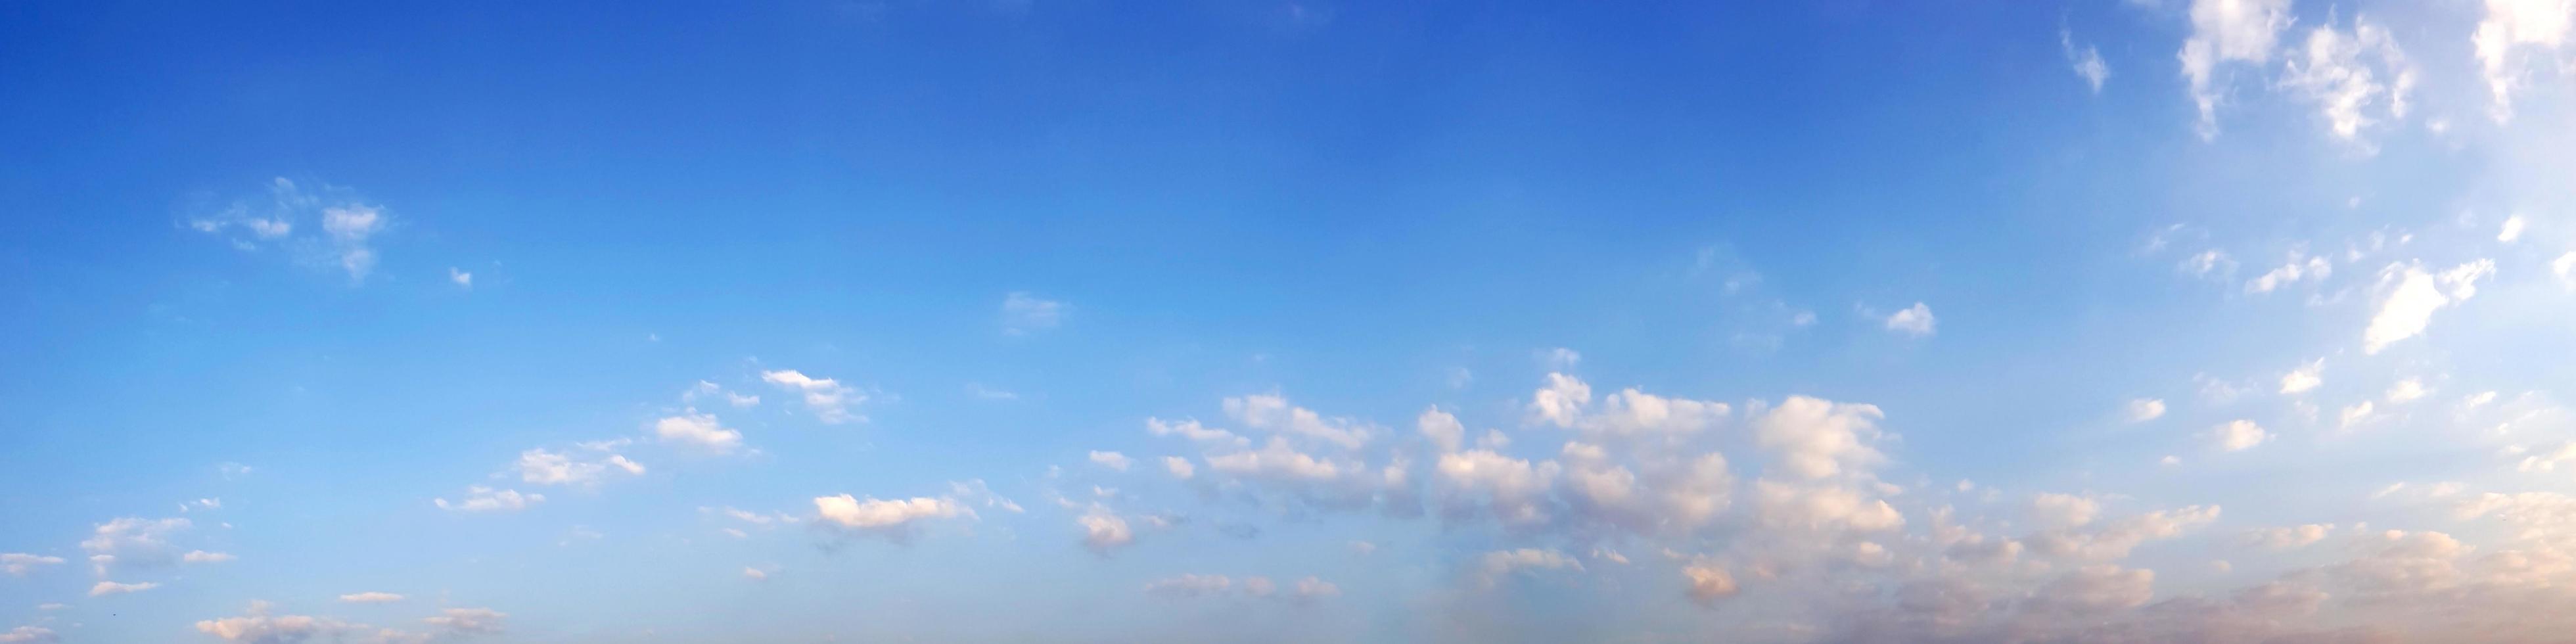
828	399
2357	78
260	627
891	519
2511	26
557	468
1104	532
1271	412
1493	566
485	499
135	543
2286	538
1111	460
2144	409
1441	428
1193	431
371	597
2511	230
2409	296
1257	587
698	430
30	635
1914	321
2300	267
2237	435
1813	438
1708	583
2053	510
468	621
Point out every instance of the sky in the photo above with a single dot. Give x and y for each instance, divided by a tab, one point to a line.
1240	320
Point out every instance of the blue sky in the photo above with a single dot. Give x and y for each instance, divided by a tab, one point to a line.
2139	320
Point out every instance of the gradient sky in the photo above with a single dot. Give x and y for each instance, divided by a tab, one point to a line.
1240	320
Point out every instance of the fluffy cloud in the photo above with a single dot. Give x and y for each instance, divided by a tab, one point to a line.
1194	431
2085	60
2144	409
348	225
134	542
1443	430
1813	438
371	597
2052	510
1197	585
1915	321
556	468
892	519
260	627
29	635
484	499
1273	413
700	431
1111	460
2289	537
828	399
2224	31
2300	267
1708	583
468	621
2237	435
2409	296
1493	566
2357	78
1104	532
2304	379
2511	230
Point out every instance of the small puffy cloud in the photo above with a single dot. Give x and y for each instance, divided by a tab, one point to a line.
371	597
1514	489
1559	358
201	556
1813	438
557	468
711	391
2289	537
1104	532
105	588
1192	430
468	621
485	499
2113	540
1914	321
1709	583
2511	231
462	279
1023	313
134	542
2407	390
2208	264
18	563
1189	585
827	398
755	574
2357	78
892	519
2409	296
2304	378
1493	566
2224	31
2565	268
2237	435
1273	413
1363	548
698	430
348	225
2300	267
2086	61
1179	467
2144	409
2053	510
1111	460
1822	508
260	627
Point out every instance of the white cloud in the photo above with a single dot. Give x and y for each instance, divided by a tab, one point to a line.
2509	24
1273	413
2348	73
2086	61
1915	321
1023	313
484	499
1559	358
2224	31
989	393
2145	409
1194	431
556	468
2208	264
1709	583
1189	585
1443	429
827	398
468	621
134	542
1813	438
18	563
755	574
2053	510
701	431
2355	414
2407	390
1493	566
350	226
2300	267
259	627
2511	231
1514	489
1104	532
891	519
2289	537
2303	379
1111	460
710	391
105	588
2565	268
371	597
1179	467
2409	296
201	556
2238	435
461	278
